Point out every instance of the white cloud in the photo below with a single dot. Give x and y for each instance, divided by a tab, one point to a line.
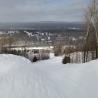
41	10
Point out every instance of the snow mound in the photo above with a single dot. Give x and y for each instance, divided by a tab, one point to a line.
19	78
10	62
22	79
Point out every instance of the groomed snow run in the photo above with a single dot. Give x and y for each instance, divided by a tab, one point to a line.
19	78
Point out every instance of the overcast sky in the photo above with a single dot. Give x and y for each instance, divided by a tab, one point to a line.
42	10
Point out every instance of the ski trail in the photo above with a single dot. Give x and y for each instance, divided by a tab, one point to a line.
47	79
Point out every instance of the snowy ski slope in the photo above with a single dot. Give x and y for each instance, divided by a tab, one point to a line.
19	78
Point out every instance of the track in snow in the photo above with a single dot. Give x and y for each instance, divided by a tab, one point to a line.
19	78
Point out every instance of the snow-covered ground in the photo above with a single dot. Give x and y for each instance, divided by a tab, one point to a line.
19	78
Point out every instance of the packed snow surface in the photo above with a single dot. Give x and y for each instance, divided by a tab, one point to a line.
19	78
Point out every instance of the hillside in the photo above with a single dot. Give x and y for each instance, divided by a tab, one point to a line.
44	33
19	78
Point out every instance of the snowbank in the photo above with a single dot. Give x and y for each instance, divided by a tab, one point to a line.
10	62
19	78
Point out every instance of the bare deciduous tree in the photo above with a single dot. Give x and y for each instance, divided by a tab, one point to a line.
91	42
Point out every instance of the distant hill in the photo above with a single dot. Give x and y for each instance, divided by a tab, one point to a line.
43	32
42	26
